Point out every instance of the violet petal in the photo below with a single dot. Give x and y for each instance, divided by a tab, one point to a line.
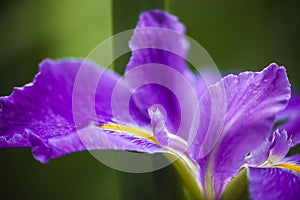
252	101
158	70
292	115
280	147
273	183
41	114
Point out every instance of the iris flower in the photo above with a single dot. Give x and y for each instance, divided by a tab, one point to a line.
63	111
269	171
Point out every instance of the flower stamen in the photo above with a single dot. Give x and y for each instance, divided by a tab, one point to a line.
131	130
289	166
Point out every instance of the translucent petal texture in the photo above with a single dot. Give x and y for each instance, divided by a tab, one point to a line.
158	119
280	146
65	99
159	38
158	71
273	151
291	117
259	155
295	160
41	114
273	184
252	101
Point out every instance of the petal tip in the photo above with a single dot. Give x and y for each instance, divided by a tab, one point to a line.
40	149
160	19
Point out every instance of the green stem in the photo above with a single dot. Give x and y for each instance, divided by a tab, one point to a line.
237	187
188	179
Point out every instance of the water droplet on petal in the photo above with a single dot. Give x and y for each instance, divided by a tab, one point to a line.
254	92
265	80
257	83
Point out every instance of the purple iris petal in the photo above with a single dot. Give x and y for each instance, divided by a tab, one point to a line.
159	38
295	160
159	44
67	108
259	155
252	101
273	150
42	107
158	120
273	183
291	117
280	146
205	78
40	114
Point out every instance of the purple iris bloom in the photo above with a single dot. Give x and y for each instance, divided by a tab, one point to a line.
269	171
234	126
290	118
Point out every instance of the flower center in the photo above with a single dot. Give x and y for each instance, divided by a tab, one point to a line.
172	143
130	130
289	166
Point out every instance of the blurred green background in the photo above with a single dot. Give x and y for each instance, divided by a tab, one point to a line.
239	35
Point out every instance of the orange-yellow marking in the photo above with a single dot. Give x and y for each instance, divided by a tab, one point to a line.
130	130
289	166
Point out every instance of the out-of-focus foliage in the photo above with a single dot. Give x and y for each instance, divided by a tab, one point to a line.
32	30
